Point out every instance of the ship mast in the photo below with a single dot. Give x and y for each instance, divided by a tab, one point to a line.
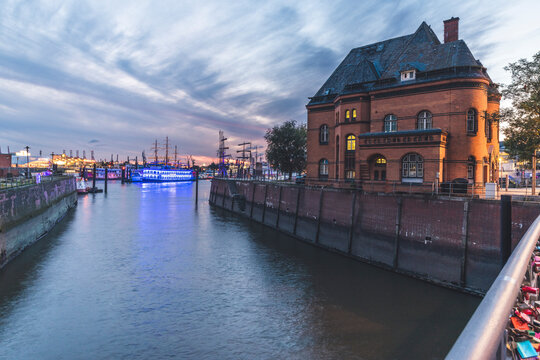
166	150
175	155
155	148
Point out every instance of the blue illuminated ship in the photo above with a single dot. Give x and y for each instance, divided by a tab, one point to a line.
162	175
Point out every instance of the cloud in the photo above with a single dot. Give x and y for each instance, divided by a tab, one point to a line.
127	73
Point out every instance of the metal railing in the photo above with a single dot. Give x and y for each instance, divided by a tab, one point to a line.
8	183
485	335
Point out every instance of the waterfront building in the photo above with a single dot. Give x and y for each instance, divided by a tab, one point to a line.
407	111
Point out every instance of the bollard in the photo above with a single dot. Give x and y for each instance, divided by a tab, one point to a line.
106	178
506	227
196	187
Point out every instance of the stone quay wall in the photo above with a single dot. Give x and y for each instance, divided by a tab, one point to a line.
28	213
452	242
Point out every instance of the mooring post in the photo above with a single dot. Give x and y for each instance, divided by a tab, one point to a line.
279	207
252	200
464	243
196	187
351	229
506	228
123	175
264	202
94	177
106	178
296	211
398	228
319	217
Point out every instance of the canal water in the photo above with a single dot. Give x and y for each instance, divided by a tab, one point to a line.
140	273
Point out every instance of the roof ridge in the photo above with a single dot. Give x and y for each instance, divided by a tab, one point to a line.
423	26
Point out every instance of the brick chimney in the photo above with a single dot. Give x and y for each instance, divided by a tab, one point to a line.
451	29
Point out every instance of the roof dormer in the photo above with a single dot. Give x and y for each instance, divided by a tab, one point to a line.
407	75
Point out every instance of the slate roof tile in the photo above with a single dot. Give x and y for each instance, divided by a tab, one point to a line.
378	65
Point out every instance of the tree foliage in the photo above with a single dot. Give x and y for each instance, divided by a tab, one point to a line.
522	129
286	150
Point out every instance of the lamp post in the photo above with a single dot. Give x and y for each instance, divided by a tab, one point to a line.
27	162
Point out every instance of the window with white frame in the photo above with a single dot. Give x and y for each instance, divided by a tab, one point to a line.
412	168
323	134
390	123
424	121
408	75
323	168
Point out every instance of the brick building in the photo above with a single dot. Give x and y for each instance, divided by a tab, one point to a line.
407	111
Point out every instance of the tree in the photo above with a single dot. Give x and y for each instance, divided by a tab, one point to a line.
522	129
286	150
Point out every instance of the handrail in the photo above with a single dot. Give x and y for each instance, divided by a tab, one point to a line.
482	336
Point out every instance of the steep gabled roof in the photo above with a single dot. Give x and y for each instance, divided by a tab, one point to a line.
378	65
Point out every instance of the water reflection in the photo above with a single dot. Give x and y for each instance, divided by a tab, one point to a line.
140	274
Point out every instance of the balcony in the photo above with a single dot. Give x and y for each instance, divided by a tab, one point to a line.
407	137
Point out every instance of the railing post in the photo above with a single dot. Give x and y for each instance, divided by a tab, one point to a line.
506	228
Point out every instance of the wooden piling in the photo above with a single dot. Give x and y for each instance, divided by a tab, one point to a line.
94	177
106	178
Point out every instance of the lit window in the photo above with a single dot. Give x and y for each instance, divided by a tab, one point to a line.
390	123
347	116
351	143
353	114
471	121
424	120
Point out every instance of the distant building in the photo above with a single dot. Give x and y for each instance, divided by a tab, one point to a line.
5	166
405	111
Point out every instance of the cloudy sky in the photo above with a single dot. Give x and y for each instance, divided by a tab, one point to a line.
113	76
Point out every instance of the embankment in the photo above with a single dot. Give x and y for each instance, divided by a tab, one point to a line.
451	242
27	213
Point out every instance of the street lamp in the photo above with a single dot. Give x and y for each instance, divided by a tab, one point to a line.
27	162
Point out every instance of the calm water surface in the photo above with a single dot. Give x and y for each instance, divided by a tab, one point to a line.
140	273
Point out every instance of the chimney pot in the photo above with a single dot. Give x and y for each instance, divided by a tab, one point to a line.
451	29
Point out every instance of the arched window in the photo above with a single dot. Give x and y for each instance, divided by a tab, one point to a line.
323	168
351	143
353	114
390	123
347	116
350	172
323	134
487	127
378	167
471	121
412	168
424	120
